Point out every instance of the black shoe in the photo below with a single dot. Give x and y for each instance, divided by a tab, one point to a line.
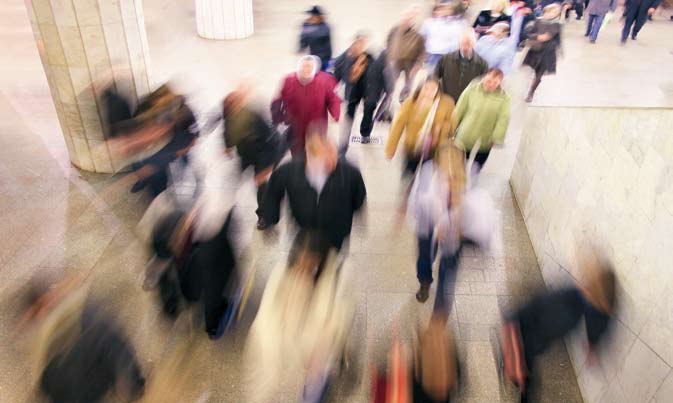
261	224
622	42
423	293
365	140
587	34
529	98
138	186
592	41
633	37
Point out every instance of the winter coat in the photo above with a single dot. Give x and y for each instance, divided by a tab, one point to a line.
405	47
377	83
255	141
305	105
331	211
481	115
543	60
633	6
601	7
500	53
454	72
317	38
409	121
485	21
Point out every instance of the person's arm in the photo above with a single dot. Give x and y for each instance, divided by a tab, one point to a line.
333	100
502	123
275	191
303	39
340	67
515	31
397	127
462	105
652	9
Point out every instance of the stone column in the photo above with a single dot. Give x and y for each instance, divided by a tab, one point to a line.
86	45
224	19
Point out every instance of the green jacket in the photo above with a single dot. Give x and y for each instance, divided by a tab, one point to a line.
481	115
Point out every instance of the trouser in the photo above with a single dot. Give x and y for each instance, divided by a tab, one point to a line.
536	83
578	6
635	18
480	159
261	191
448	266
594	25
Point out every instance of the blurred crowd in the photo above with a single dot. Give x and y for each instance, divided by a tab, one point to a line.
444	118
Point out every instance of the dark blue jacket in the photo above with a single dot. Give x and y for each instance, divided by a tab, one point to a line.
318	40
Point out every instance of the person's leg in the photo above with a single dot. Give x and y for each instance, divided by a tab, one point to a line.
448	267
367	123
579	9
598	22
536	82
590	24
641	19
480	159
424	267
629	20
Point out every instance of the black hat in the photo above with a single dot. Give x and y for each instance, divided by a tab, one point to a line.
315	10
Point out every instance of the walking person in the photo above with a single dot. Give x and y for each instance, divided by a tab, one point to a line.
544	40
549	317
323	191
597	10
482	115
256	143
355	68
406	50
435	203
316	37
501	42
488	18
636	13
442	32
457	69
424	120
305	98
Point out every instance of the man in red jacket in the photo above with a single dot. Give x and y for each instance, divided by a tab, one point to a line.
305	98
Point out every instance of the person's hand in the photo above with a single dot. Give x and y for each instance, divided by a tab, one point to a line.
651	11
389	157
544	37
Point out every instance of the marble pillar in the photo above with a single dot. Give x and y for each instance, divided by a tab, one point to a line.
85	46
224	19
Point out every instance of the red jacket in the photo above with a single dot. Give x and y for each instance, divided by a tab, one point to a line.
305	105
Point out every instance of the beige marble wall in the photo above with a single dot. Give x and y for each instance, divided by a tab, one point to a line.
80	41
606	175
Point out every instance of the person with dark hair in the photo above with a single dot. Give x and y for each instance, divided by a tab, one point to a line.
457	69
304	101
544	39
425	120
636	13
256	142
82	352
324	191
355	69
482	114
316	37
550	316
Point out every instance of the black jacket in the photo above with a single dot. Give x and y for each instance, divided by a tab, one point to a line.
342	71
318	40
551	316
373	81
331	212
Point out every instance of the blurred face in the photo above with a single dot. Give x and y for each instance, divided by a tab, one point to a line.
498	7
466	45
491	82
322	154
359	46
306	69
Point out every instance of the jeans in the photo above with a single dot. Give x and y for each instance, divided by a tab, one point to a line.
448	266
594	25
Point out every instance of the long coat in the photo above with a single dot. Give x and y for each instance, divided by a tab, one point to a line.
543	60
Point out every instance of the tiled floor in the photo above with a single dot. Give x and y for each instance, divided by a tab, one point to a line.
53	217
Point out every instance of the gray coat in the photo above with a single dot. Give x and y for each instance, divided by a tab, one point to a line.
601	7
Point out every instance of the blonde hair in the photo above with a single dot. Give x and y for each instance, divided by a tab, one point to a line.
499	4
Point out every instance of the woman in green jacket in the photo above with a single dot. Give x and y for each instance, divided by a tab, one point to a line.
482	114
